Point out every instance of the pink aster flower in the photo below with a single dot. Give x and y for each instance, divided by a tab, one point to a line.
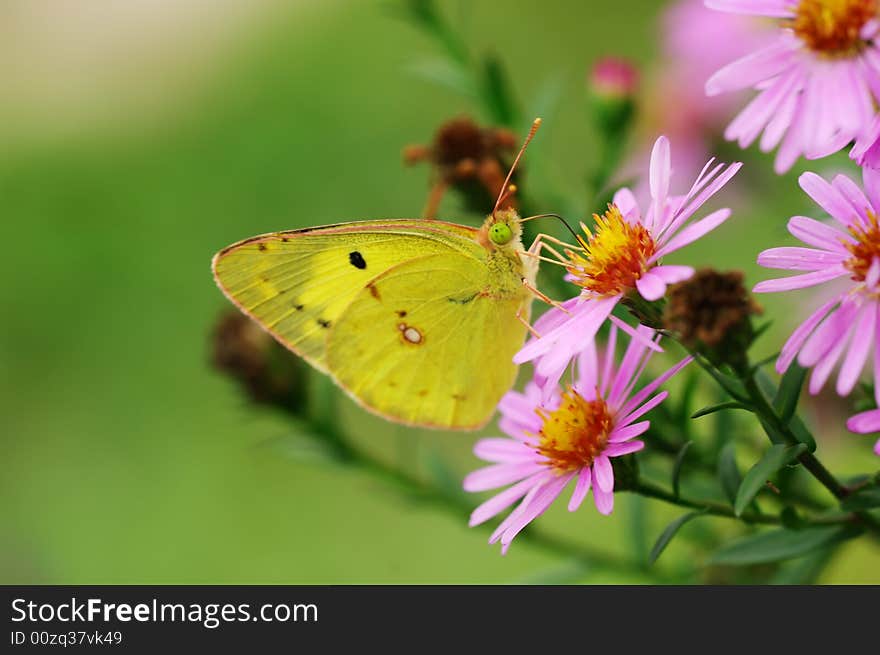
847	251
816	82
571	436
623	256
866	151
866	423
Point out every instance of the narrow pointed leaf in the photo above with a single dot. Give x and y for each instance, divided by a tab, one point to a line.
498	93
667	534
728	472
711	409
777	456
864	499
781	544
676	467
786	399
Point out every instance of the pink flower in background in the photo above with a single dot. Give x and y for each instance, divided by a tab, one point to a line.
849	251
695	42
816	82
866	423
613	77
623	255
571	436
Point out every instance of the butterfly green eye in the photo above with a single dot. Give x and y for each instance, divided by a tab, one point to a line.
500	234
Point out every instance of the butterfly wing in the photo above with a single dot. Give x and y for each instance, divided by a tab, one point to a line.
296	284
431	341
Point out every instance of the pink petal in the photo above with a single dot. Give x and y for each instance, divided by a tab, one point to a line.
498	475
828	198
673	274
799	259
832	331
815	233
751	69
604	499
626	203
772	8
581	488
496	449
543	499
644	409
661	165
619	435
603	473
640	397
503	500
693	232
858	352
865	423
800	281
651	287
797	338
625	448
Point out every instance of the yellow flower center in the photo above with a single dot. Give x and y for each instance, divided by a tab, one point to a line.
865	249
614	256
575	433
833	27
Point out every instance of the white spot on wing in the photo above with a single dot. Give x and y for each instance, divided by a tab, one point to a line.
411	334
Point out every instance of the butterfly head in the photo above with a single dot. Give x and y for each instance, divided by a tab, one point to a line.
502	230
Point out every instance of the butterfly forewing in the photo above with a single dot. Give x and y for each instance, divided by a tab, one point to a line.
408	316
440	344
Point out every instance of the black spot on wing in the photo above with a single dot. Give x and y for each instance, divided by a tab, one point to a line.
323	323
357	260
298	308
401	313
262	246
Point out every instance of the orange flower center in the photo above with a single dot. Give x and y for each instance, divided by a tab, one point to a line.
614	256
865	249
575	433
833	27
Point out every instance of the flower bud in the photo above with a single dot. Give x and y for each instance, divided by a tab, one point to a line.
711	313
267	371
613	85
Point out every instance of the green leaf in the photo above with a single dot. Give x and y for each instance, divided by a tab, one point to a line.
864	499
711	409
786	399
445	73
801	433
777	456
727	382
760	330
780	544
676	467
805	570
498	94
670	531
728	472
766	385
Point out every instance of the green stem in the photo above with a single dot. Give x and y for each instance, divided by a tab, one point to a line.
322	422
652	490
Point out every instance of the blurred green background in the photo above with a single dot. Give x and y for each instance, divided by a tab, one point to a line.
136	139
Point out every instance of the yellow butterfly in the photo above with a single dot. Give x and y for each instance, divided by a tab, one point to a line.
418	320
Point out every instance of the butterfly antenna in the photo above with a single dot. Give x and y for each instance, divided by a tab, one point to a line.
507	188
576	236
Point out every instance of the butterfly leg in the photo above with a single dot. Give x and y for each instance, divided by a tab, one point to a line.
521	319
541	296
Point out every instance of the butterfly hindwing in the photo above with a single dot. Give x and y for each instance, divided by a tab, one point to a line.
296	284
429	343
